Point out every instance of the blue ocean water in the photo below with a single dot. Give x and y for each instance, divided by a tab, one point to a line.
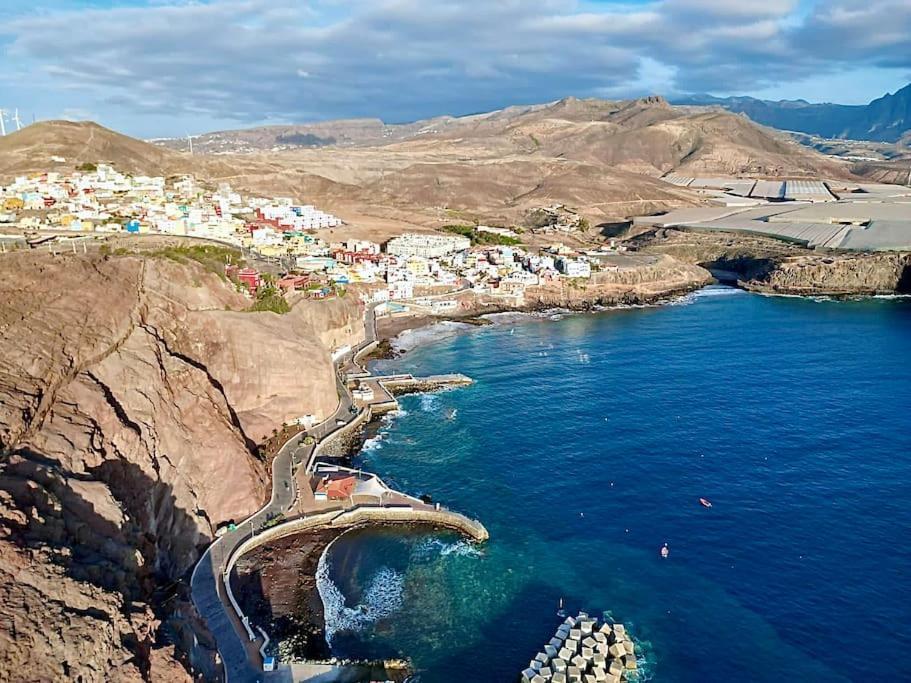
586	443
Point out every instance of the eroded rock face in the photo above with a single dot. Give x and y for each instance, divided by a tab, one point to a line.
843	274
768	265
132	394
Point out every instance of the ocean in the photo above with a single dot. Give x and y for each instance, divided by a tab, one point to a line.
586	443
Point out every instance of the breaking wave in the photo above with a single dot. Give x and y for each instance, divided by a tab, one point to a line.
437	547
410	339
383	597
429	402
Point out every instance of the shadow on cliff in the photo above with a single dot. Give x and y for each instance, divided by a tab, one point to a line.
113	527
904	282
276	587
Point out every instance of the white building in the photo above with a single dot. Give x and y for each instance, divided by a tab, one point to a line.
426	246
574	267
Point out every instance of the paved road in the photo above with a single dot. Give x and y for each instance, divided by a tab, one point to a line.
241	661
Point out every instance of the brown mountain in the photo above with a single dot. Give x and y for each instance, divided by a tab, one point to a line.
32	150
600	158
131	391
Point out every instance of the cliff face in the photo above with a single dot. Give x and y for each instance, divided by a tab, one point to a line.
644	280
770	265
132	394
880	273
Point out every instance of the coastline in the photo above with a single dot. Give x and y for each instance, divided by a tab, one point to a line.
278	581
291	564
390	328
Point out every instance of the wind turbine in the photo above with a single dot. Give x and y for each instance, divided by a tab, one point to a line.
2	122
17	120
190	140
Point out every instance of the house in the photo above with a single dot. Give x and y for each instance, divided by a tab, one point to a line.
249	277
292	282
362	393
335	489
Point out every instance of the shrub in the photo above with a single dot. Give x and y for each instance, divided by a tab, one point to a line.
268	298
482	238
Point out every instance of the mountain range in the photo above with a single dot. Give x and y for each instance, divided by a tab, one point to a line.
885	119
599	158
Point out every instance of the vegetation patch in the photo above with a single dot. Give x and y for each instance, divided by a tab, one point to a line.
481	238
269	298
212	257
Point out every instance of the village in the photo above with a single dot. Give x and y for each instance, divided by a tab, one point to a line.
282	239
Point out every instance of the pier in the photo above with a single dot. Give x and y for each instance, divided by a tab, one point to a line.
379	392
309	495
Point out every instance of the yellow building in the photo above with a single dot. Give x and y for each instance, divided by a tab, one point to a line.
418	266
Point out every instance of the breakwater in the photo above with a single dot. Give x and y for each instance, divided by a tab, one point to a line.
583	649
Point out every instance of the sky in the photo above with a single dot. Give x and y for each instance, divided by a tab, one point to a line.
154	68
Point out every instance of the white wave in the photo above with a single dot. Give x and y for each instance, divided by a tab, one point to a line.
429	402
383	597
410	339
433	547
705	293
373	444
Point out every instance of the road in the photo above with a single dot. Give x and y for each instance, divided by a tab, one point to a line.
241	660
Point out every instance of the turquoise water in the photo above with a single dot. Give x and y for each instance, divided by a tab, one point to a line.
585	445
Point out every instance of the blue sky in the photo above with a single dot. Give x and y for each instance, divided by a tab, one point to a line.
171	67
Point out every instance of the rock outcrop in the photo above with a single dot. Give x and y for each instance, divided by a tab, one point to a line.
133	393
646	279
768	265
841	275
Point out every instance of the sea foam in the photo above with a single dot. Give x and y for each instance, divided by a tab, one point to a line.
382	598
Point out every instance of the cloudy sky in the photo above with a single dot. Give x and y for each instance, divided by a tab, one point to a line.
169	67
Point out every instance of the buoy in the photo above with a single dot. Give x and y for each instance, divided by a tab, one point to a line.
665	551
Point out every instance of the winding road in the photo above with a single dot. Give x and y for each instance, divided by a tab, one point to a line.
239	655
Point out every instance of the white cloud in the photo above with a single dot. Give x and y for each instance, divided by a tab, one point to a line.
251	60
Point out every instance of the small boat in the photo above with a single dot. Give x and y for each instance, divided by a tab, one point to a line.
561	612
665	551
706	503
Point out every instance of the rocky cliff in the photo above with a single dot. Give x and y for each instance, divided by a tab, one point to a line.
132	394
769	265
641	279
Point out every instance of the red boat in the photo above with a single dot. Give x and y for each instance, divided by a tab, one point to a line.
705	503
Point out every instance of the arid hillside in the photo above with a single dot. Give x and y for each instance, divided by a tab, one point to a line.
133	393
599	158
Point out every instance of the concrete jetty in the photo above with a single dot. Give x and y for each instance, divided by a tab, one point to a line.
378	392
584	650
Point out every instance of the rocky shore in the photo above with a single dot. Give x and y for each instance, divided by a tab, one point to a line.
276	586
768	265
